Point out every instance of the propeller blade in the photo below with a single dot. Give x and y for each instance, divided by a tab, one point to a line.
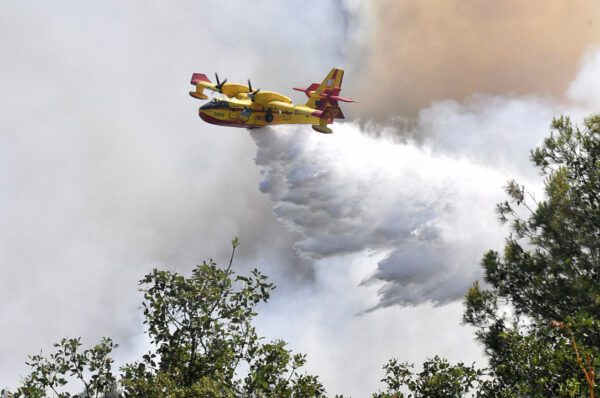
249	86
252	94
219	85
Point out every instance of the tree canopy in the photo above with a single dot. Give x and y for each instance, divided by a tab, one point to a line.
538	320
204	345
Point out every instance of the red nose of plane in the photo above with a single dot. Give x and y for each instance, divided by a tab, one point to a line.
204	116
210	119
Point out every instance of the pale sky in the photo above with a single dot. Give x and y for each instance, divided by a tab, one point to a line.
372	235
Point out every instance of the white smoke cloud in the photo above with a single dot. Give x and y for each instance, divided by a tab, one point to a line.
496	131
434	199
431	214
585	89
427	207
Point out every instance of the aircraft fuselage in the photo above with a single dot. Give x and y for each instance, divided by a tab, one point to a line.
222	113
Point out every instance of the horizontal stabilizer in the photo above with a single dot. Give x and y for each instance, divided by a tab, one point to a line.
308	91
198	95
338	98
199	77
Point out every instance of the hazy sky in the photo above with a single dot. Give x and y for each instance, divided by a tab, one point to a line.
106	171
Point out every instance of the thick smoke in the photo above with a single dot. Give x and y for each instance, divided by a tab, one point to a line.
430	215
426	208
428	50
584	91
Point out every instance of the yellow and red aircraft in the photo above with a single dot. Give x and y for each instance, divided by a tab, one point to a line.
241	106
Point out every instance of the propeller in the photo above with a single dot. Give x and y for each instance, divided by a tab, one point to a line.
251	93
219	85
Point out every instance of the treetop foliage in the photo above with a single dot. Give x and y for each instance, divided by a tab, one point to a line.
548	274
204	345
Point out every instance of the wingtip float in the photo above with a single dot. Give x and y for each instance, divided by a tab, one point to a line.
243	106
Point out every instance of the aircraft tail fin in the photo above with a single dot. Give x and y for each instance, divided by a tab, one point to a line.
326	94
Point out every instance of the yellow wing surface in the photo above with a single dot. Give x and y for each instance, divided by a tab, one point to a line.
274	105
286	107
275	101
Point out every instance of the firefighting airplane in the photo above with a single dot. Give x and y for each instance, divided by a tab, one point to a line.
241	106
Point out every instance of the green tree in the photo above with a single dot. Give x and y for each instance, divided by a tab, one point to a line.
438	379
548	275
91	368
204	345
202	329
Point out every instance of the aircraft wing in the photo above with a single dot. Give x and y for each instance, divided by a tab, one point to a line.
283	106
245	102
